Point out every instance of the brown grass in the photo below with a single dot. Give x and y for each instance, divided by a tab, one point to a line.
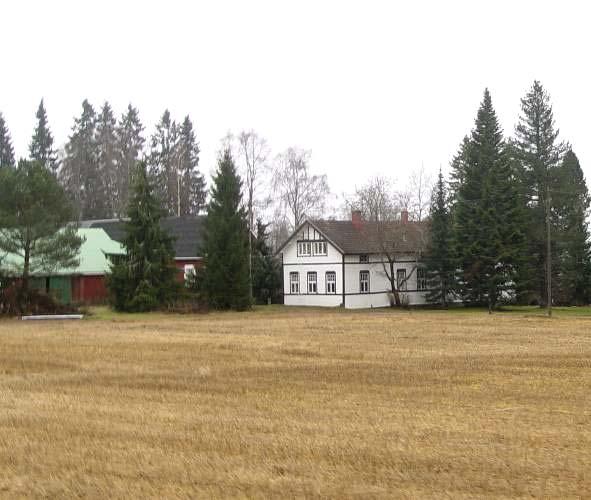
297	403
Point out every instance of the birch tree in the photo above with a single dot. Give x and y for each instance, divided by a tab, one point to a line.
300	193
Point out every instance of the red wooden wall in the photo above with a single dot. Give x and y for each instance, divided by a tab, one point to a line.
89	289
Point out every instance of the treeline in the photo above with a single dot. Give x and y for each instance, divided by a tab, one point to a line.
97	163
511	222
96	166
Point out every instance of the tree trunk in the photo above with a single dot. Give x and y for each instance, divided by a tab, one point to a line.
393	285
24	288
250	216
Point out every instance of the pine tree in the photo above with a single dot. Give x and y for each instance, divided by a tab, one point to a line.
266	274
79	175
488	219
6	150
35	215
144	279
130	144
439	259
107	160
226	280
190	182
539	153
571	201
164	161
41	147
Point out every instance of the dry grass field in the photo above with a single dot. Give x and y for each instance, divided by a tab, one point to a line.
297	403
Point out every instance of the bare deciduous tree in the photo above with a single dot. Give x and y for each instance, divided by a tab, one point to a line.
415	197
390	236
375	199
299	192
253	152
421	187
396	239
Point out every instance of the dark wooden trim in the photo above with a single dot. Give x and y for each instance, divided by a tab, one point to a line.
360	293
313	263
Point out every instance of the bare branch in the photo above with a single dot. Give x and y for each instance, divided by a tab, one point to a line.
299	192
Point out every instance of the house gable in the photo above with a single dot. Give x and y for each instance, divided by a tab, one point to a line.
308	245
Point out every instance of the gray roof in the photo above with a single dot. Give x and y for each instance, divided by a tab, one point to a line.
187	231
373	237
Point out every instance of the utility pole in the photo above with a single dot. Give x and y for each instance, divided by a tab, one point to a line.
548	255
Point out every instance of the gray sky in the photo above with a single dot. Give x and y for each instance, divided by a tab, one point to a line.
370	87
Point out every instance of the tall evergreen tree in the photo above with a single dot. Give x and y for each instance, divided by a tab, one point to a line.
41	147
144	279
458	168
226	280
539	153
107	159
439	258
571	207
190	196
130	144
80	175
6	150
488	217
164	161
266	274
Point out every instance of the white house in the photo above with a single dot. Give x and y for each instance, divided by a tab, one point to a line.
349	262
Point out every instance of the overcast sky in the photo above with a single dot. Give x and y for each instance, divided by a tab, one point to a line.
369	87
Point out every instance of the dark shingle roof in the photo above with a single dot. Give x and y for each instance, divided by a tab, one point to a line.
374	237
186	230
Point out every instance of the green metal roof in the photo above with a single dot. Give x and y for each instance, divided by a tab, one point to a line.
93	259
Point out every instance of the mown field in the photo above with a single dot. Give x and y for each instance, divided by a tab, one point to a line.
297	403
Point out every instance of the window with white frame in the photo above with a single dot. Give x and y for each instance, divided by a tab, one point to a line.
312	282
320	248
364	281
304	248
331	282
189	271
309	248
401	279
294	282
421	279
364	258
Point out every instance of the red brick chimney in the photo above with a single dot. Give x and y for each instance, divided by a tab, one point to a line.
356	219
404	216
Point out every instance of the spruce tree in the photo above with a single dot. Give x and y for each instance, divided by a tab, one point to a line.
266	274
6	150
79	175
226	280
488	219
130	144
439	259
458	168
144	279
538	152
107	160
41	147
164	161
571	207
190	185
